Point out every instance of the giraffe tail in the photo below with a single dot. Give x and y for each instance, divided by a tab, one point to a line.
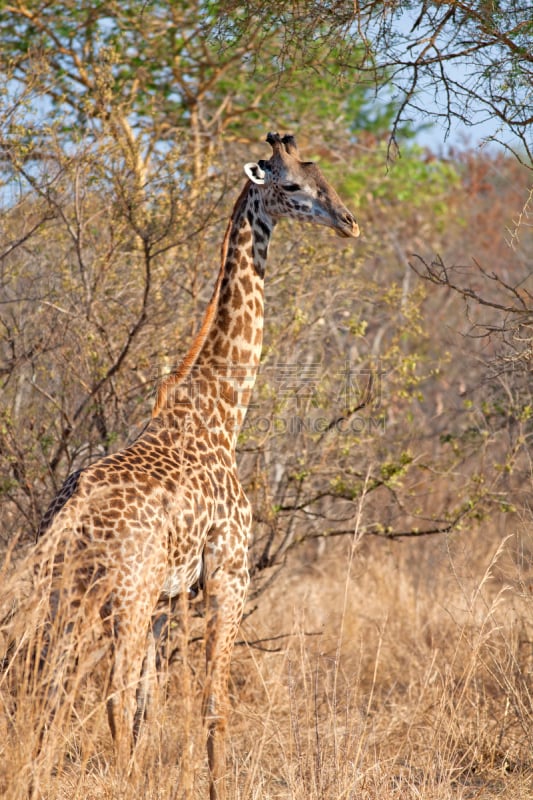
50	613
17	578
52	651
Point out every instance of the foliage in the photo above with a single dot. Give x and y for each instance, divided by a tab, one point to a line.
394	397
151	74
430	48
97	199
154	72
473	58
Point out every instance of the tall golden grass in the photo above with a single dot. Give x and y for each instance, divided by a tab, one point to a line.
370	669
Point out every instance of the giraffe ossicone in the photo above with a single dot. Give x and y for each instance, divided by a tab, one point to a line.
169	510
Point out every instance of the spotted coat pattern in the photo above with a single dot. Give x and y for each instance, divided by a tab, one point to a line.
169	508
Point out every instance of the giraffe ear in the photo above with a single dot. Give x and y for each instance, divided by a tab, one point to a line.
254	172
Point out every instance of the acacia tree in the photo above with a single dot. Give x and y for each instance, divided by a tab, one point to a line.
113	156
472	60
111	118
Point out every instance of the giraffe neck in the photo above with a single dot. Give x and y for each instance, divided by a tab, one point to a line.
218	373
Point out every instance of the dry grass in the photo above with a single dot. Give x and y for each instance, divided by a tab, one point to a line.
403	671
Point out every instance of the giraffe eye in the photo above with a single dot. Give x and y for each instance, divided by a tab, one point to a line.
291	187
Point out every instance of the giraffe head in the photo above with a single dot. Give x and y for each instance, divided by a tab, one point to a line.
297	189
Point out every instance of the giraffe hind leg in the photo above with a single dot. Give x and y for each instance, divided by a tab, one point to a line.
147	689
130	689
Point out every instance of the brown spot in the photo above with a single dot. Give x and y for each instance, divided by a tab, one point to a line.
224	320
221	347
237	328
246	284
225	294
248	330
219	474
165	438
237	299
245	237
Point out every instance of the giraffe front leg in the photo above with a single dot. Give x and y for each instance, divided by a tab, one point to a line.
226	587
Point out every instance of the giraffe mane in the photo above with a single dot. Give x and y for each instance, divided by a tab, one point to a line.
188	361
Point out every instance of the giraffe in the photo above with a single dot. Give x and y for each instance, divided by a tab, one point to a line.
168	511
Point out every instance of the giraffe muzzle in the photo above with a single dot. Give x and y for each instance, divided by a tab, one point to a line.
347	227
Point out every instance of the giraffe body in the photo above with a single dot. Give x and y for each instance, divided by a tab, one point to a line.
169	510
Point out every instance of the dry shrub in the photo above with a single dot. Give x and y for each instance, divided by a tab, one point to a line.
369	670
406	675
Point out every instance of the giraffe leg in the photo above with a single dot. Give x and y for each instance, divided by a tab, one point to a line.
226	589
128	695
147	686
